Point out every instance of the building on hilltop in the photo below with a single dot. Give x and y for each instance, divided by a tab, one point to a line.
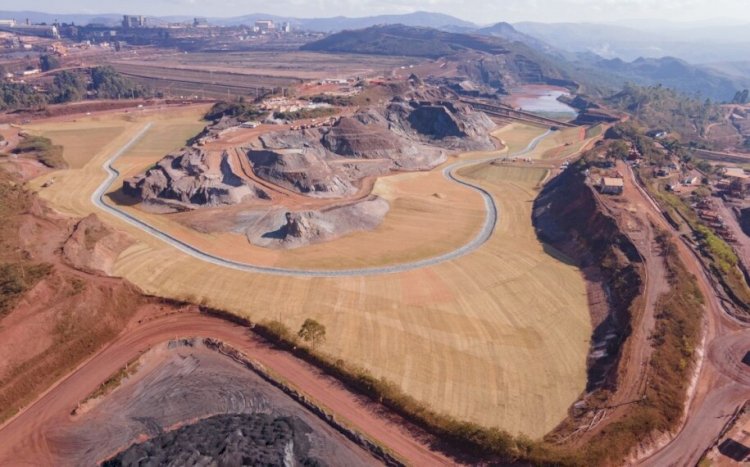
611	185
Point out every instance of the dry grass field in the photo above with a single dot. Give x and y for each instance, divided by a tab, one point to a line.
499	336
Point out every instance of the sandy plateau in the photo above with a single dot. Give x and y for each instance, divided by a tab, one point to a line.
499	336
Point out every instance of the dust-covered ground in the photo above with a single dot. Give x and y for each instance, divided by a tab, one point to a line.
183	382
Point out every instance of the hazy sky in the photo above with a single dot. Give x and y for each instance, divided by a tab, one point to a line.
480	11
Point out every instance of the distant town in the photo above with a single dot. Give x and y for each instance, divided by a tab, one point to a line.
138	30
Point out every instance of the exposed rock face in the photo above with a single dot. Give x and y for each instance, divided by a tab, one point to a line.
92	246
303	171
429	118
358	136
436	121
287	230
503	72
192	178
296	226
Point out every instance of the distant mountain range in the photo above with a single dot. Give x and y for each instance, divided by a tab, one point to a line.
604	55
695	44
512	57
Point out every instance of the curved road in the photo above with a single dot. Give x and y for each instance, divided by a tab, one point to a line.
448	172
30	438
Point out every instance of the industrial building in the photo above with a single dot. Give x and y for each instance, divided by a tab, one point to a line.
612	185
265	26
27	29
133	22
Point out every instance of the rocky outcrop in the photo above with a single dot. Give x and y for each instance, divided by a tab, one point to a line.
503	72
94	247
284	230
192	178
304	171
414	131
435	121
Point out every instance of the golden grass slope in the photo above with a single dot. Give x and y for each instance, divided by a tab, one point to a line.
499	336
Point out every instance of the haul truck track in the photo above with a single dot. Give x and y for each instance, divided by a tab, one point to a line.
449	172
31	432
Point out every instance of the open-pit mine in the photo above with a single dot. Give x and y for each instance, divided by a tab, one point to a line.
403	226
394	245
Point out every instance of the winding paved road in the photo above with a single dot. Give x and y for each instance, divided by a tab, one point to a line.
449	172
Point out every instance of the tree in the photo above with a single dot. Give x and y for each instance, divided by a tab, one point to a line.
68	86
312	331
741	97
48	62
109	84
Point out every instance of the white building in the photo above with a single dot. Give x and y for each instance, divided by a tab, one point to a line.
265	25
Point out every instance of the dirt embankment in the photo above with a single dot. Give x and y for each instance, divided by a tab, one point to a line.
568	217
52	315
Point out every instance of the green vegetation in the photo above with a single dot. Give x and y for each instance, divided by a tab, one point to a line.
720	250
48	154
721	257
338	101
306	113
400	40
16	279
663	108
20	96
741	97
312	331
115	380
48	62
675	338
68	86
109	84
240	110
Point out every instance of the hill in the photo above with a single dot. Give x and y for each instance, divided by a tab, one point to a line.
672	73
508	32
494	62
419	18
665	109
691	42
407	41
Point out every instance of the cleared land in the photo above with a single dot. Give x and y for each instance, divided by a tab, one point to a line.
210	75
499	336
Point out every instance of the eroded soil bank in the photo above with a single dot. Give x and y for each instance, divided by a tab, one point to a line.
568	217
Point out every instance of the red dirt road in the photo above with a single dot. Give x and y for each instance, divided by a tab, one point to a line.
723	383
24	439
